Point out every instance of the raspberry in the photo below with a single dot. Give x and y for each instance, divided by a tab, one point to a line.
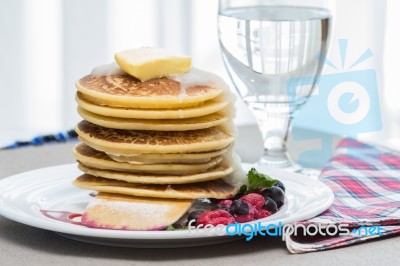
215	217
247	217
225	204
262	214
254	199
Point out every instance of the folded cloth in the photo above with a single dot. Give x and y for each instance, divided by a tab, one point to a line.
366	184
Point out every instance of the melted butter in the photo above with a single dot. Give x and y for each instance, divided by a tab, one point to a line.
196	77
107	70
238	177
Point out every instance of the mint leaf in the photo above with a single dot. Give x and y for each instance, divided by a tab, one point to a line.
170	228
258	181
243	189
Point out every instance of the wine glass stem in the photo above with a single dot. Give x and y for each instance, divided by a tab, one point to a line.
274	128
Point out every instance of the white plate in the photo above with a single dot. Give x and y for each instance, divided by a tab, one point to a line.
24	197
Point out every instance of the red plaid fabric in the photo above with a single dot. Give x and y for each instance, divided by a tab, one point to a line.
366	184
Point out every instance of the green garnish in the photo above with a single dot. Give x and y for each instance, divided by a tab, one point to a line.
170	228
178	227
256	181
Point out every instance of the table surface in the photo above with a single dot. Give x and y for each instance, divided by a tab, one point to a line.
25	245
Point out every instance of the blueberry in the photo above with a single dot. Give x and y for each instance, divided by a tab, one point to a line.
214	201
270	205
239	207
275	193
266	192
278	196
225	208
280	185
238	195
193	215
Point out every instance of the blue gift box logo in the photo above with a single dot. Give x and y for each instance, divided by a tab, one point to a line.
346	103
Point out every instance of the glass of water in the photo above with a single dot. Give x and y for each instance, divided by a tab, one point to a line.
273	51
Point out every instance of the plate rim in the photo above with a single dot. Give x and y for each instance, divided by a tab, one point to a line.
65	228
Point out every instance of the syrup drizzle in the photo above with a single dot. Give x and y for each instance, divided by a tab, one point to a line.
63	216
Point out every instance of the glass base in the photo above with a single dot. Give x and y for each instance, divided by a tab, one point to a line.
311	172
290	166
279	160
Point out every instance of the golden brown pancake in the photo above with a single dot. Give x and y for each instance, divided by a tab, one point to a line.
121	212
99	160
162	158
217	189
216	172
155	124
123	90
205	108
139	142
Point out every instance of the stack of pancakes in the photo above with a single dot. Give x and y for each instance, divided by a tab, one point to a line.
163	141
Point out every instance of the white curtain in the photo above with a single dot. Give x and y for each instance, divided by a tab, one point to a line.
46	45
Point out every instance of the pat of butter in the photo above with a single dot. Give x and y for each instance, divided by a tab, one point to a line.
149	63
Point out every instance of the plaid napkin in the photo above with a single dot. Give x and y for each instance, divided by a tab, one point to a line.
366	184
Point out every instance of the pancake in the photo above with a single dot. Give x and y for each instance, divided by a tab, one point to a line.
123	90
99	160
217	189
216	172
205	108
157	158
121	212
155	124
139	142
